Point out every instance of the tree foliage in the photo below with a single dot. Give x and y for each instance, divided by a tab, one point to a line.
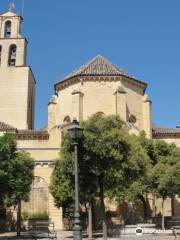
117	165
161	175
140	186
109	161
16	172
164	178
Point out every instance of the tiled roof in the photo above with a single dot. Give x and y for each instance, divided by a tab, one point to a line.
165	132
25	134
99	66
32	135
6	127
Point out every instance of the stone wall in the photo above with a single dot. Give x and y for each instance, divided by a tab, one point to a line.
14	82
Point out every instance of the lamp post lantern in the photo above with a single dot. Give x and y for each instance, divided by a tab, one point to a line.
76	133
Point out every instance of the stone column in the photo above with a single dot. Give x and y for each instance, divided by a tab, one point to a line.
120	101
52	112
147	124
77	105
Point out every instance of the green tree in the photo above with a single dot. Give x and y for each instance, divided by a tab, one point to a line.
16	172
164	178
139	189
158	176
106	151
109	160
62	179
139	163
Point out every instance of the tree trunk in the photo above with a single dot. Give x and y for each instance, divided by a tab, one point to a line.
2	209
162	223
90	220
172	206
103	215
2	215
145	209
86	211
94	224
19	218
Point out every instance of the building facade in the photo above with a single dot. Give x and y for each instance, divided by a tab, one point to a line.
17	82
97	86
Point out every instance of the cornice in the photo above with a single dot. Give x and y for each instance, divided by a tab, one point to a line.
67	82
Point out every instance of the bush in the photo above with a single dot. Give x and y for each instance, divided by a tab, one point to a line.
35	216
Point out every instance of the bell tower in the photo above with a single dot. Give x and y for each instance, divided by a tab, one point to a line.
17	83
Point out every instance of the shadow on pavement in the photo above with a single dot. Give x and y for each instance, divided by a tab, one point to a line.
11	236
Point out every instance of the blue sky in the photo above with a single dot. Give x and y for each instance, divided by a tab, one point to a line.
142	37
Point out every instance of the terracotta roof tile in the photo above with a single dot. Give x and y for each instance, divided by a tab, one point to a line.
4	127
99	66
165	132
32	135
24	134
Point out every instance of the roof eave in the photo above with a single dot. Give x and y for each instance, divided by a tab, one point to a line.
144	84
15	15
165	135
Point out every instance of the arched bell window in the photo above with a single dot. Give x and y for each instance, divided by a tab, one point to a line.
0	53
7	29
12	55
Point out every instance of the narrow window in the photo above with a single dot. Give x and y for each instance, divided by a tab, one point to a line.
132	119
7	29
12	55
0	53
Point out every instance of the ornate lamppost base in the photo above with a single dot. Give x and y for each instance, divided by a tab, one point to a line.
77	232
77	229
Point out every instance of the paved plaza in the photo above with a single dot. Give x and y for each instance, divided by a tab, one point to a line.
69	235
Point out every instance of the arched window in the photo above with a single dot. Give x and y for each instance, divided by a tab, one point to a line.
37	204
66	123
7	29
12	55
101	114
132	119
0	53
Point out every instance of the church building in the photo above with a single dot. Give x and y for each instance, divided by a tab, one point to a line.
97	86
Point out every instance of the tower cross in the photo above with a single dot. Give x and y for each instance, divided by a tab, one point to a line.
11	6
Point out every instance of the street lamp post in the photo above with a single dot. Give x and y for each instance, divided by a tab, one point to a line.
76	133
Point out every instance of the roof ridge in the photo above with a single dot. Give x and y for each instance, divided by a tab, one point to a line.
81	68
163	127
114	66
85	66
91	61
